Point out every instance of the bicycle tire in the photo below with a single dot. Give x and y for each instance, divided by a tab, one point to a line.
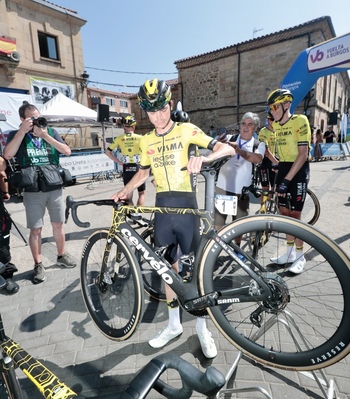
256	243
153	283
312	208
115	305
317	301
9	385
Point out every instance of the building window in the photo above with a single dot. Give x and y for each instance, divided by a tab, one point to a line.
123	104
110	101
48	46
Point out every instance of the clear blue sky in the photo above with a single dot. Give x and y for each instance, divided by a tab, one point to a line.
149	36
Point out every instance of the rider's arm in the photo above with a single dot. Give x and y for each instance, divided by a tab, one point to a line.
139	178
111	156
270	156
303	153
220	150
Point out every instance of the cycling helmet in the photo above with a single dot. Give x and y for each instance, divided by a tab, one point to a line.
279	96
180	116
154	95
128	121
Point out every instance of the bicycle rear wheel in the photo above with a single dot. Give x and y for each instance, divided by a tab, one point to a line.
304	325
153	283
111	285
312	208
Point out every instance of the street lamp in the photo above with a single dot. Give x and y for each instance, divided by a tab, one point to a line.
84	80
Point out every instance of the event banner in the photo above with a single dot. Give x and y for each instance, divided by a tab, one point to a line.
87	164
327	58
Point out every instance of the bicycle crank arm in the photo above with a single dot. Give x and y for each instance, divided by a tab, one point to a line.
202	302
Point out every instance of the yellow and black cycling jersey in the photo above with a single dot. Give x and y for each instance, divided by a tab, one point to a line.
269	138
289	136
166	154
129	145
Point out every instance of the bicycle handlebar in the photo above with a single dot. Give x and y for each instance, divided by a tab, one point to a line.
214	165
207	383
73	205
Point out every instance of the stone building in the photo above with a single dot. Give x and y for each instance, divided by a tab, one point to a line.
46	53
218	87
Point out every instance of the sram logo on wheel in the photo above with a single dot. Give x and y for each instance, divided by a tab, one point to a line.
160	267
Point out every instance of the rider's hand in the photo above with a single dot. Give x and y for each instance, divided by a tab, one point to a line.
122	194
195	164
283	187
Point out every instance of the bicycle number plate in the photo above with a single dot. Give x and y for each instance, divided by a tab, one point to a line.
226	204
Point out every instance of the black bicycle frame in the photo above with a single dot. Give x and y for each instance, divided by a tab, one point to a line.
187	292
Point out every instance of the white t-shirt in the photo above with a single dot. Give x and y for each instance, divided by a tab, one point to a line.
237	172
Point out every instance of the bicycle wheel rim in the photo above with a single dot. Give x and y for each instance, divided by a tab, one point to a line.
319	298
115	307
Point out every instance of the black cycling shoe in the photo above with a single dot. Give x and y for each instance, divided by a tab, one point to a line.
11	287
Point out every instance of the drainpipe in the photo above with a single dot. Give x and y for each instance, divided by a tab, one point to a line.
238	82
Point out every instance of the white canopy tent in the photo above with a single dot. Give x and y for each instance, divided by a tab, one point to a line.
62	111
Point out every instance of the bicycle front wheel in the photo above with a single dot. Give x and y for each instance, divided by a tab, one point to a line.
312	208
111	285
9	385
304	324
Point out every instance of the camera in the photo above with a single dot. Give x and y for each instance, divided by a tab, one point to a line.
40	122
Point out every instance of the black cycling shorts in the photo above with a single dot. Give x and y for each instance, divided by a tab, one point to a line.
129	170
297	187
176	230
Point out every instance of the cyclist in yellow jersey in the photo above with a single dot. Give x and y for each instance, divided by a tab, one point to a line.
293	140
168	148
267	135
129	145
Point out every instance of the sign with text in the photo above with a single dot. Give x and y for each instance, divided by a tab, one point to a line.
87	164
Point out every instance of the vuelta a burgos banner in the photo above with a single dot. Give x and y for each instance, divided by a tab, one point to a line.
327	58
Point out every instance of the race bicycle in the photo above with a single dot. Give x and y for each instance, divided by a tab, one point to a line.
292	322
12	354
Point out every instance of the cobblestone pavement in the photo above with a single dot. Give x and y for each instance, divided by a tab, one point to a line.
50	321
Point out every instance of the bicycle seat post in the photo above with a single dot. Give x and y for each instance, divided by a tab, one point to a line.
210	178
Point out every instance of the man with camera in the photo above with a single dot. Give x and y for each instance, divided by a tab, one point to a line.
35	146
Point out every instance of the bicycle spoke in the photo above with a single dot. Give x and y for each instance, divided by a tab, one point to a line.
112	295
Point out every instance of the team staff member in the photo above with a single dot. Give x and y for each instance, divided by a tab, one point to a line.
293	140
166	149
129	145
237	172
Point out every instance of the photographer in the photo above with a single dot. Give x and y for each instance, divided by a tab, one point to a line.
35	146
